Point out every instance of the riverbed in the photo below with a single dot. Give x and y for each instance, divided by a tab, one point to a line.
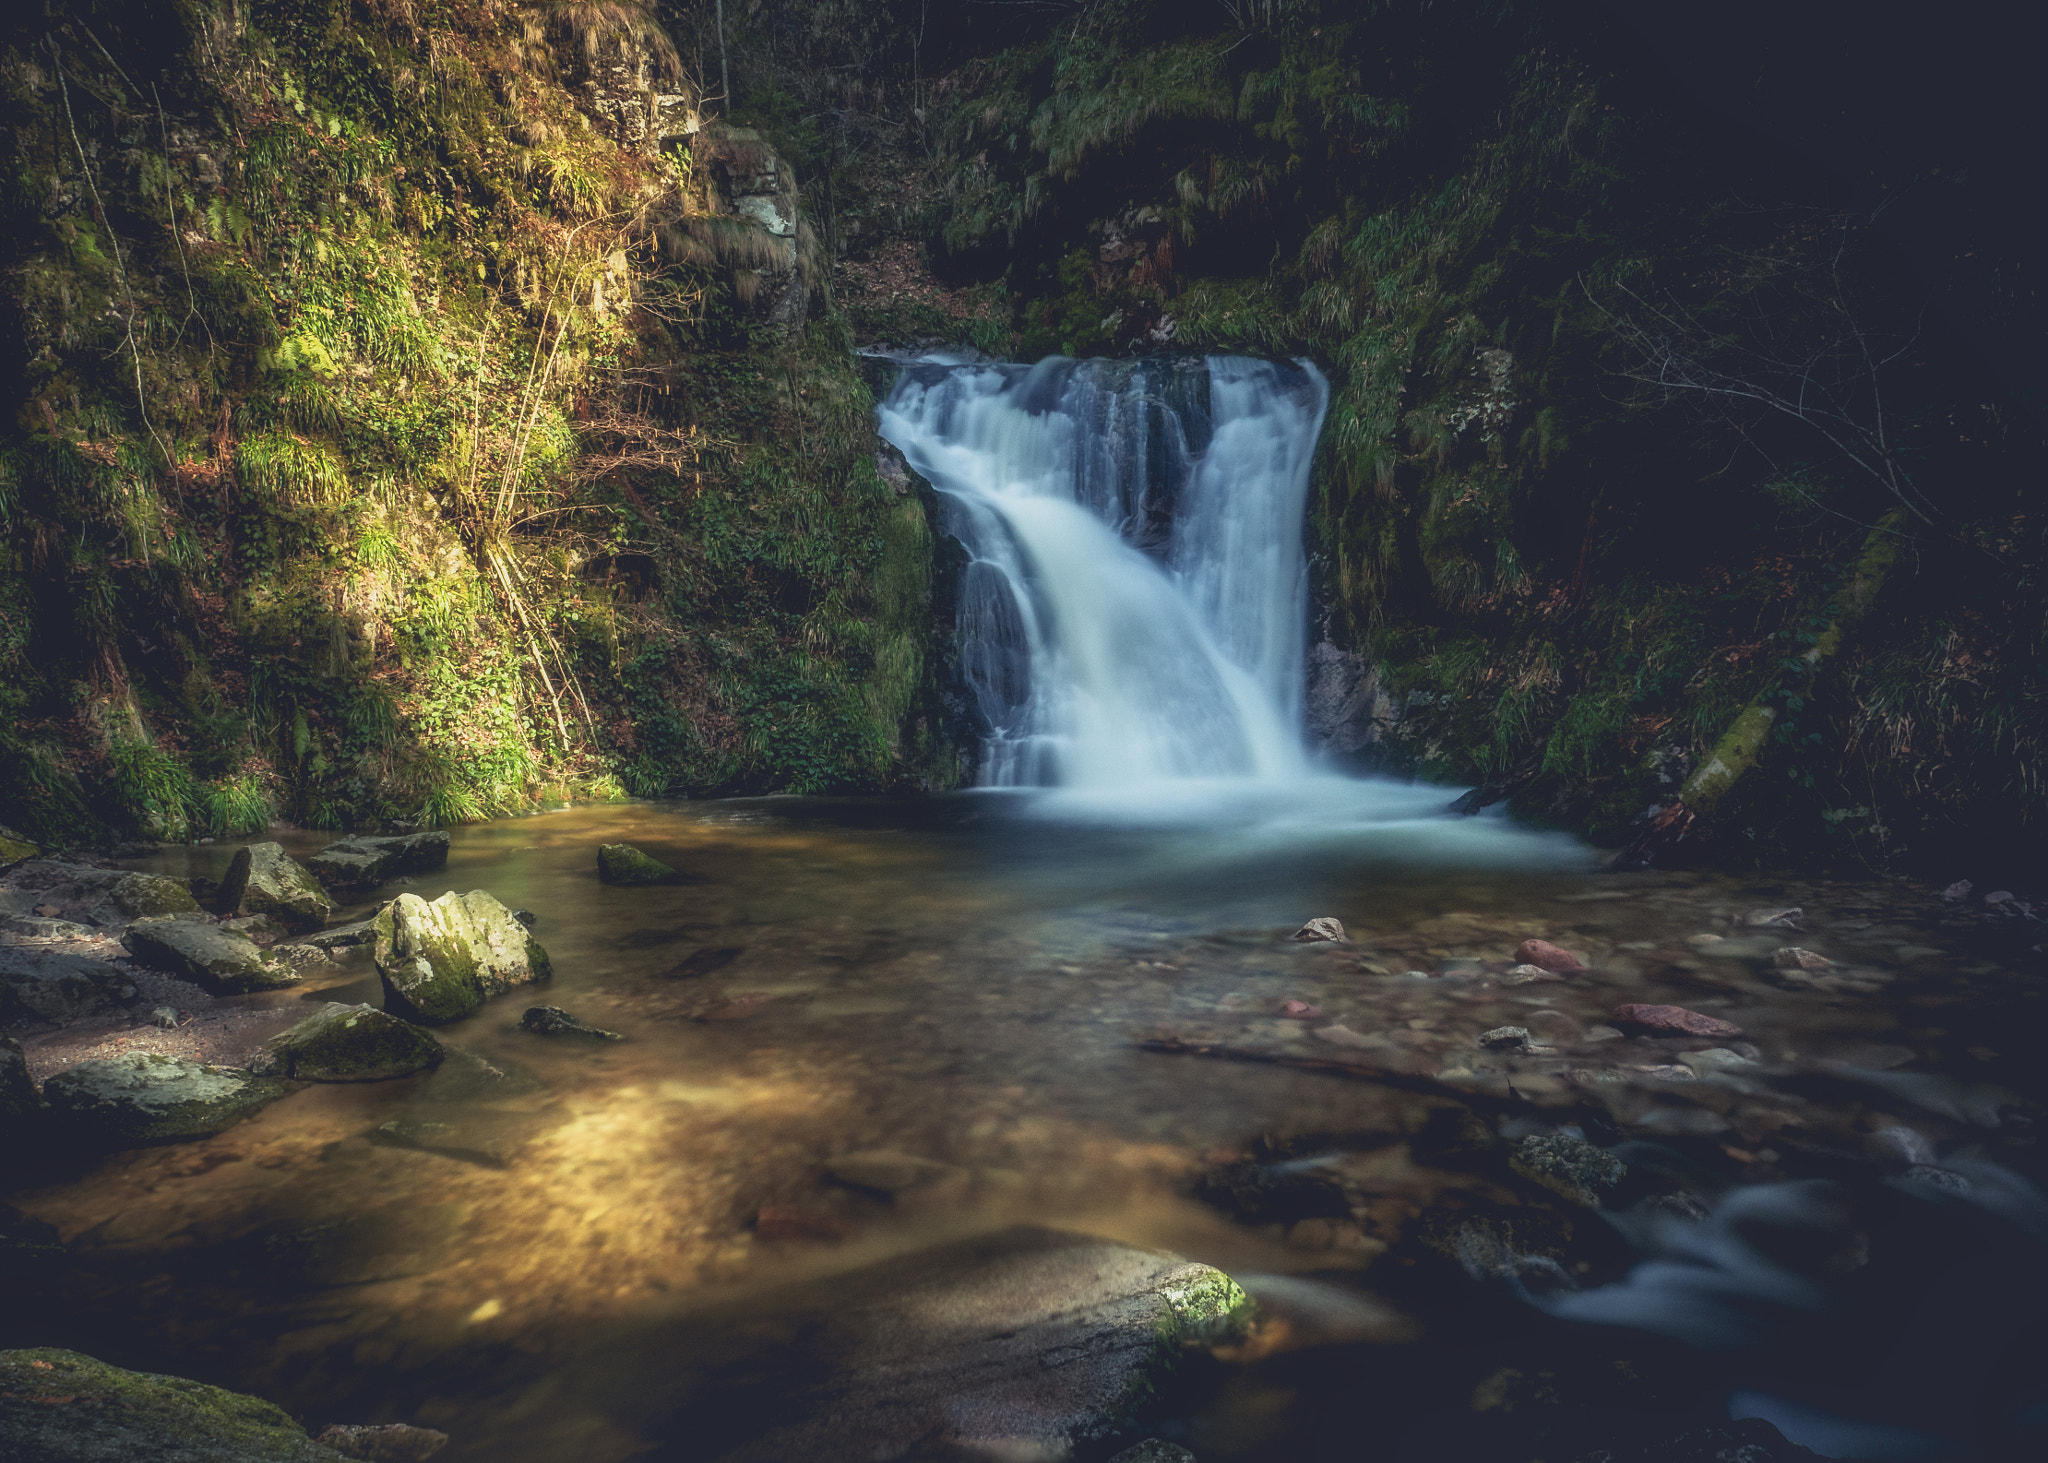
1034	1011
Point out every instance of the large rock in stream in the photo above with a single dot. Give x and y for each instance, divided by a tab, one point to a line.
356	864
264	879
48	985
141	1098
441	961
62	1407
341	1043
1027	1343
225	962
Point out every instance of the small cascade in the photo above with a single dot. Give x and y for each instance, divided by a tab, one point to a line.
1134	610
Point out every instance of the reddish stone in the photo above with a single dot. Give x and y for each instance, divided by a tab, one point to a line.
787	1221
1300	1011
1674	1021
1546	956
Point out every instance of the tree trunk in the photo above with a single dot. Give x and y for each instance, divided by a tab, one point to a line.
1740	746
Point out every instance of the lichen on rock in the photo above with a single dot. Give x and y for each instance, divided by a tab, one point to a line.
341	1043
264	880
441	961
223	961
141	1098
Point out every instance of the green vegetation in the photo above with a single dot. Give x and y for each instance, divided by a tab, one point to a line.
358	354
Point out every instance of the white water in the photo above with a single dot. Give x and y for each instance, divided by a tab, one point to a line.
1134	614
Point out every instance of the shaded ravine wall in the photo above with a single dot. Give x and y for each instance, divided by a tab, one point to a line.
419	410
1570	517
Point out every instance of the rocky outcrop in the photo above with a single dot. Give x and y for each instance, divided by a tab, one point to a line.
356	864
265	880
222	961
753	228
621	863
1346	710
47	985
61	1407
1026	1343
103	898
340	1043
144	1097
441	961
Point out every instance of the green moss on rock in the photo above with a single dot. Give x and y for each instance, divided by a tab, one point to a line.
142	1098
441	961
341	1043
264	879
225	962
621	863
62	1407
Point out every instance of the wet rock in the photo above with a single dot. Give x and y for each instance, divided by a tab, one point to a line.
1261	1193
1027	1343
1569	1166
164	1018
1546	956
47	927
222	961
482	1142
363	863
18	1096
345	937
45	985
1300	1011
1791	957
1341	1035
264	879
394	1442
1698	941
885	1171
62	1407
261	928
621	863
1505	1038
441	961
1790	918
526	917
341	1043
1672	1021
791	1222
1321	931
1998	896
1529	975
143	1097
1958	890
554	1021
1491	1242
1345	709
1718	1059
1154	1450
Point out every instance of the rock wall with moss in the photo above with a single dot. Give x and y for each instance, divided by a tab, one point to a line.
418	408
1620	398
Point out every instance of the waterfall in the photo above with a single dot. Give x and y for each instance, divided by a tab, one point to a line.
1134	609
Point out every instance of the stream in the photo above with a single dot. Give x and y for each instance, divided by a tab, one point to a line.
966	981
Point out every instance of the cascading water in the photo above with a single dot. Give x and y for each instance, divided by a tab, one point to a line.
1134	612
1135	605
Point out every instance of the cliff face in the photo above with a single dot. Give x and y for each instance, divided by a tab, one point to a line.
402	402
421	406
1620	399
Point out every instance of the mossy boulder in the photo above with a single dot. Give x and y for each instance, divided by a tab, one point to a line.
363	863
61	1407
14	849
19	1099
48	985
148	896
1027	1340
441	961
141	1098
225	962
621	863
264	879
341	1043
